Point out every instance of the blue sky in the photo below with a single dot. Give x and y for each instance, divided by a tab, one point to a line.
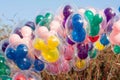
27	9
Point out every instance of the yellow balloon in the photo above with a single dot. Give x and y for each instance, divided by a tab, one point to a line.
51	55
99	46
39	44
53	42
80	64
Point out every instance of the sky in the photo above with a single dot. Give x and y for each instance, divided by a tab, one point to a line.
28	9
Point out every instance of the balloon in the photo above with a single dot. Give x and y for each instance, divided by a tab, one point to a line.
5	78
68	51
119	9
53	42
5	43
53	68
4	69
10	53
30	24
23	63
26	31
69	41
67	11
39	44
79	65
2	60
99	46
109	13
97	19
79	36
65	67
93	39
89	15
18	32
20	76
14	38
77	22
82	51
92	53
39	65
94	22
51	55
104	40
44	20
39	18
21	51
116	49
26	75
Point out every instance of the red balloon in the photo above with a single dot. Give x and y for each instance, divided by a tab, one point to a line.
20	76
93	39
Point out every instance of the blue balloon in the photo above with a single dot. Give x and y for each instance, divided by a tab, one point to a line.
39	65
104	40
23	63
10	53
77	22
21	51
78	36
119	9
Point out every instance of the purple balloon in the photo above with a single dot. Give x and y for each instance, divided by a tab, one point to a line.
4	45
82	54
70	41
109	13
82	46
17	31
67	11
30	24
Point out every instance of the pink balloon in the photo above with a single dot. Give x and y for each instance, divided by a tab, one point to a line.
117	38
81	11
112	37
26	31
42	32
14	38
65	67
54	25
53	68
68	52
116	26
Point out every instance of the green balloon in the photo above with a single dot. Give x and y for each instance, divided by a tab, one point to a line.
49	16
5	78
5	70
97	19
2	60
39	18
92	53
89	15
48	19
94	30
116	49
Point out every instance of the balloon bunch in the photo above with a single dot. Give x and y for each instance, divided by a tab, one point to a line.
57	43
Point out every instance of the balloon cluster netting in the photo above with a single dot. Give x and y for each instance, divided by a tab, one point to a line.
57	43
